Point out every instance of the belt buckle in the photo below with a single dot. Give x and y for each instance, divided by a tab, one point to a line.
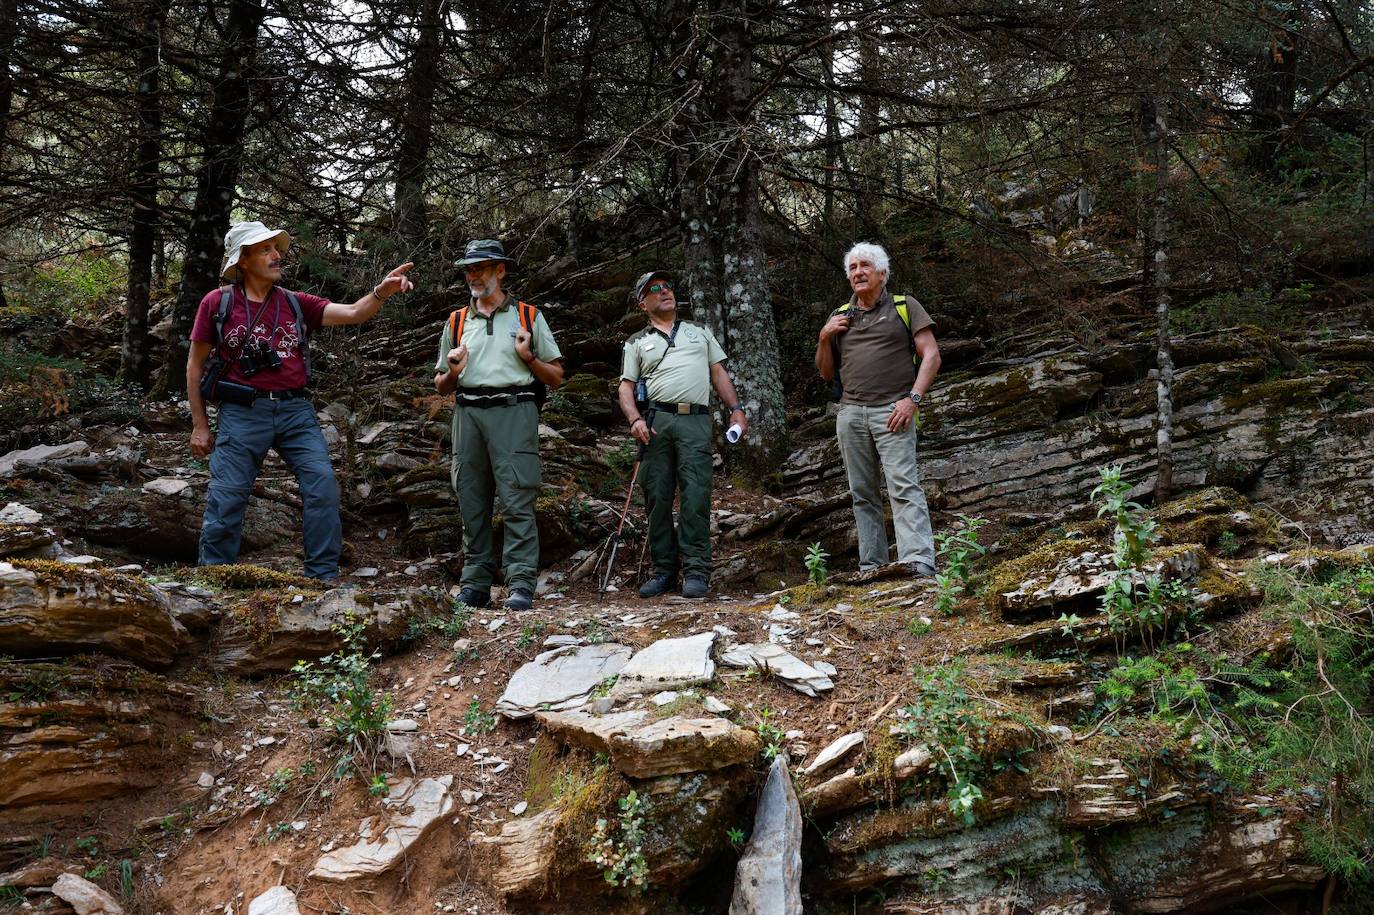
684	409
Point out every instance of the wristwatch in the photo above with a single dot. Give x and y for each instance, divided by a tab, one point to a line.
915	398
737	408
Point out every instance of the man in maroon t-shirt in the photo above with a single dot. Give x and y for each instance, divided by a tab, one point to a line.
260	348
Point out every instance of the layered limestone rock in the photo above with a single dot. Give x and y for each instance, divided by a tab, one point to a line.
48	608
72	736
642	748
269	635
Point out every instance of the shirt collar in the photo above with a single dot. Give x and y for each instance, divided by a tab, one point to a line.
884	299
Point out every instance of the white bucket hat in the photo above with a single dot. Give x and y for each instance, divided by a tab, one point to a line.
247	233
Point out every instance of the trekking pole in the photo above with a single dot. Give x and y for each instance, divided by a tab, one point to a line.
616	537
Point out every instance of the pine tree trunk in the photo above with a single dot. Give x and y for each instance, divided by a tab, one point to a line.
9	32
417	131
751	336
1272	96
216	183
870	152
1164	433
832	121
134	362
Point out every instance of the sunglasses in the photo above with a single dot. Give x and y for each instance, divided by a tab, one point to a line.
664	286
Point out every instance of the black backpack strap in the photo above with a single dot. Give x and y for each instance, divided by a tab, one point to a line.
301	330
226	301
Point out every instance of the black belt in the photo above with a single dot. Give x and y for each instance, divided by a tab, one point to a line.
290	394
683	409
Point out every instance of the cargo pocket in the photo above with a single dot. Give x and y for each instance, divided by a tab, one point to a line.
525	471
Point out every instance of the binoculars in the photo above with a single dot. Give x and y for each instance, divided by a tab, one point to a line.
256	356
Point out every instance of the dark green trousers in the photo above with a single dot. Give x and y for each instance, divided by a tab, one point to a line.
679	459
496	453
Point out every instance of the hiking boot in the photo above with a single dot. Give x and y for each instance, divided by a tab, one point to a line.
474	598
921	570
696	586
519	599
658	585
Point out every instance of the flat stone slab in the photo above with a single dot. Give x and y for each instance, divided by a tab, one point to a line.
39	454
561	679
641	748
780	663
84	896
414	808
668	664
167	486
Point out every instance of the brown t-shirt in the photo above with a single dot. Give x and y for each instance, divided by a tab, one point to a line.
875	353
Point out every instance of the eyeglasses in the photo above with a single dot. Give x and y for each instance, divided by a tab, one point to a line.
664	286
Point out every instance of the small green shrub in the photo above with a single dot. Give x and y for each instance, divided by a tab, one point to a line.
955	551
337	691
815	564
618	848
478	721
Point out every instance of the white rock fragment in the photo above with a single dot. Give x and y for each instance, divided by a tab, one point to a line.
276	901
835	753
412	810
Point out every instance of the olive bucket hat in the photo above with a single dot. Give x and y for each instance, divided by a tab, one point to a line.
481	251
240	236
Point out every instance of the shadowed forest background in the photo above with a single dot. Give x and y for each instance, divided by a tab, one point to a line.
1033	167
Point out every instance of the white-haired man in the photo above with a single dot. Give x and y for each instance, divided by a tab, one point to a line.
873	345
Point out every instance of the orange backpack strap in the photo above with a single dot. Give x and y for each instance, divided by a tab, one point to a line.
528	315
455	326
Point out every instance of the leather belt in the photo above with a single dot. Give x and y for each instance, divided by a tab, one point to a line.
290	394
682	409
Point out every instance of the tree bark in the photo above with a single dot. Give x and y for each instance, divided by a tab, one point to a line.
870	154
832	123
215	184
1273	94
9	33
417	131
134	362
1159	206
751	335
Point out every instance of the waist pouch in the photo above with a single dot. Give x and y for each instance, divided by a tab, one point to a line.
215	389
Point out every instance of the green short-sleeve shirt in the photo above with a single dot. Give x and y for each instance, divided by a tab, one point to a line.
678	375
492	360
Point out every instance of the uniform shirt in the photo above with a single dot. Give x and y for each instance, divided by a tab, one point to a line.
678	375
876	365
273	325
492	359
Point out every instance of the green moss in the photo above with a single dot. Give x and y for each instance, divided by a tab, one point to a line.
1288	392
62	574
1039	562
244	577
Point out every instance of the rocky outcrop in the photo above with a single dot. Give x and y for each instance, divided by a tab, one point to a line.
269	634
71	736
84	896
48	608
642	748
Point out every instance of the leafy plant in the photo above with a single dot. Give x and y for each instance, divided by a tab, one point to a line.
946	720
528	633
476	720
815	563
618	848
89	845
769	732
378	786
735	836
338	692
126	879
956	550
278	831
